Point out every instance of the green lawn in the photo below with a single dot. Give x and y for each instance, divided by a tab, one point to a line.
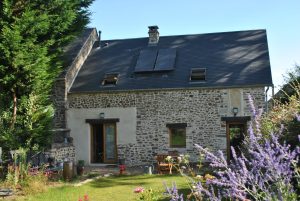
117	188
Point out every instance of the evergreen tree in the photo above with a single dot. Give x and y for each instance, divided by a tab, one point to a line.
33	34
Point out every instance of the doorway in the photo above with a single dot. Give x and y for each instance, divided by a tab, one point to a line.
103	143
235	136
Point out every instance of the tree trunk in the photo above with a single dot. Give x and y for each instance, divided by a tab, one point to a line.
14	116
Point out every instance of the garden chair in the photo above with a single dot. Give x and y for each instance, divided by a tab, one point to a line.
163	166
173	153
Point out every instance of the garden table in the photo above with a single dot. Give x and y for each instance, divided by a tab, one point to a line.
163	165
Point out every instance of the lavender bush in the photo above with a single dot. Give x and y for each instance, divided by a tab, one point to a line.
264	170
173	193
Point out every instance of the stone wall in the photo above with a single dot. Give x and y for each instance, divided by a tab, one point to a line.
61	152
59	100
201	109
62	85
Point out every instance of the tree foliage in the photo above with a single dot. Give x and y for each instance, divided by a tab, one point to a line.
292	80
32	37
285	110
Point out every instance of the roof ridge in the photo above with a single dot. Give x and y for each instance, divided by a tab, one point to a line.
196	34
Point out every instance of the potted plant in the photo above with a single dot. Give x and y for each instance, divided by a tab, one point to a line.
80	167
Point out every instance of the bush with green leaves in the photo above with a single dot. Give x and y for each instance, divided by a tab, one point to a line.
20	177
148	195
265	170
284	112
33	35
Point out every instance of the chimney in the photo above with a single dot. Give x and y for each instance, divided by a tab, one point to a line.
153	35
99	38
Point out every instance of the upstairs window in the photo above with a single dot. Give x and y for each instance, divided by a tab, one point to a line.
110	79
177	133
198	75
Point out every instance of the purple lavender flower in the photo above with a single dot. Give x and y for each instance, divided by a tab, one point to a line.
263	172
173	193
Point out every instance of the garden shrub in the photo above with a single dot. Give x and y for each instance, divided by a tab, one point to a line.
35	184
265	170
147	194
18	176
285	110
286	114
18	171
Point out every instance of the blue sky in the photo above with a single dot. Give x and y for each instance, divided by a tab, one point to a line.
130	19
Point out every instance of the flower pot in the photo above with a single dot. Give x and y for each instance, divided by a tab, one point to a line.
80	167
67	170
80	170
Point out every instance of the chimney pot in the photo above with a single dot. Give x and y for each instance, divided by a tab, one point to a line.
153	35
99	38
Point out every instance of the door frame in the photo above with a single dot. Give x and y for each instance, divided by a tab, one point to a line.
92	151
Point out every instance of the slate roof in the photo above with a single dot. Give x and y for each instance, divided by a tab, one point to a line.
72	50
231	59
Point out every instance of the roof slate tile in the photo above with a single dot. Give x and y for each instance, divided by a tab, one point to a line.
232	59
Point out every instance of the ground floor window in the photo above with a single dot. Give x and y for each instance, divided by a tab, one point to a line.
177	135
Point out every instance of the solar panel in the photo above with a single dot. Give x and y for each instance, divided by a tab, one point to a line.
165	60
146	61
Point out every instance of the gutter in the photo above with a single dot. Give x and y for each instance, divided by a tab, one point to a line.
266	99
111	90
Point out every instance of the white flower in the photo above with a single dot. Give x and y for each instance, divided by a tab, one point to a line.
179	158
199	177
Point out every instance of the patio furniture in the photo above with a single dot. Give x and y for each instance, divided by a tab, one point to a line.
173	153
163	166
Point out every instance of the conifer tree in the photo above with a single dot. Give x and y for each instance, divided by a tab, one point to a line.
33	34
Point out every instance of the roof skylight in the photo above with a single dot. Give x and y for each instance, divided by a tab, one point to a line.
110	79
198	75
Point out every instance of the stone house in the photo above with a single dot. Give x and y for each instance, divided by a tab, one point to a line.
134	98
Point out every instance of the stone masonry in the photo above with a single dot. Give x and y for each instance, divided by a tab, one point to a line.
61	152
63	84
61	149
201	109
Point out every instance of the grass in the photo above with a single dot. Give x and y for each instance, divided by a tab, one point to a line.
118	188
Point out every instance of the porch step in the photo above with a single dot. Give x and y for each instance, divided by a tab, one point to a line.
111	166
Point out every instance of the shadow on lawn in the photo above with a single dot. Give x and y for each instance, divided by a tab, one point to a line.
139	181
126	180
